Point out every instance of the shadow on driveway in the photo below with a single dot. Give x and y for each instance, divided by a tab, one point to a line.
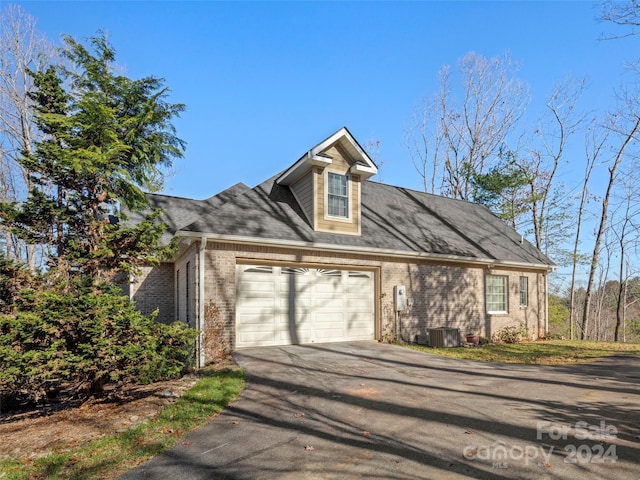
375	411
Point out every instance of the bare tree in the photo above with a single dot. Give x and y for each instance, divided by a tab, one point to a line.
423	140
372	147
627	137
595	141
546	153
451	141
625	230
22	49
624	14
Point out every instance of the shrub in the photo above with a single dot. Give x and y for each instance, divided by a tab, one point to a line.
13	278
83	338
511	334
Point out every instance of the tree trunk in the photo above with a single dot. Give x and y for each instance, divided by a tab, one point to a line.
603	221
620	308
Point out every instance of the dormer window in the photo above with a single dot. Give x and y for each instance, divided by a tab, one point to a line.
338	195
326	183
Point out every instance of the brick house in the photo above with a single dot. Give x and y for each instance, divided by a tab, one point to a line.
318	253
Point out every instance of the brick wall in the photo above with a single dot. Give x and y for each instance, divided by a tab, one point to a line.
154	288
186	291
440	294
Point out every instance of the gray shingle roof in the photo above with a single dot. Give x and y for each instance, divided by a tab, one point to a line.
393	218
178	211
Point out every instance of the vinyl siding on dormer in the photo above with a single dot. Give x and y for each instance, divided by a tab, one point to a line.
323	222
303	192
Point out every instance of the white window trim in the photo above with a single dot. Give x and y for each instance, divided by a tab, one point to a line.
346	219
497	312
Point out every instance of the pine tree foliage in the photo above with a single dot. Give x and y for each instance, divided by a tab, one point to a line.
106	138
503	188
62	341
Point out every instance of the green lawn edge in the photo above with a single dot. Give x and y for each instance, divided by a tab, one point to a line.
112	455
542	352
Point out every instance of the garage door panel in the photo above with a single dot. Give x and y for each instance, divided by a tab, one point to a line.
301	336
297	303
258	302
296	291
358	326
325	319
257	293
325	305
328	289
359	304
300	320
337	337
329	304
260	329
337	327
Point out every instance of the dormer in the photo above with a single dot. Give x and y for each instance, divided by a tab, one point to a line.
326	182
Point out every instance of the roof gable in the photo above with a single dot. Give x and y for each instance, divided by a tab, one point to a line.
361	162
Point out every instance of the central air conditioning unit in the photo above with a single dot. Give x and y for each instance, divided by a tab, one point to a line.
444	337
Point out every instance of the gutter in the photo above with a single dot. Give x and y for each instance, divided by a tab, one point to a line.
331	248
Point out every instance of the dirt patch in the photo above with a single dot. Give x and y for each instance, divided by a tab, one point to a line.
37	432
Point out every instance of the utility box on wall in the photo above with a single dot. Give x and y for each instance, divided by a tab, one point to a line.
400	297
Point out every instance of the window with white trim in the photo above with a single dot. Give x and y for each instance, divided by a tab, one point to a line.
524	291
337	195
496	293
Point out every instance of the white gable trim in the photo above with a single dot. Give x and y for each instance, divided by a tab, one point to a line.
314	157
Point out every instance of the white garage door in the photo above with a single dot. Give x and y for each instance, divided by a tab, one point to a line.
290	305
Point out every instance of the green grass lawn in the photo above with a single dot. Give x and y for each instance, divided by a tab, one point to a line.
548	352
112	455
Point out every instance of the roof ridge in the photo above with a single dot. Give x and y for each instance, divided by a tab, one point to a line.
172	196
421	192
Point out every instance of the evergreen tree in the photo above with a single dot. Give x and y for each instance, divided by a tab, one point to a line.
106	137
502	189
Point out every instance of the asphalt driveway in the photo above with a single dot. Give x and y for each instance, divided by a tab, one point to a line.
375	411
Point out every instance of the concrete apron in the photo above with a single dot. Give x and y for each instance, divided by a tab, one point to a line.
369	410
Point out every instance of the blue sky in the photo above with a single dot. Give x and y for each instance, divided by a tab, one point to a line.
264	82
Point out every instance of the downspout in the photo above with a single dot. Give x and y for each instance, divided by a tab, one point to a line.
546	304
200	353
131	285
